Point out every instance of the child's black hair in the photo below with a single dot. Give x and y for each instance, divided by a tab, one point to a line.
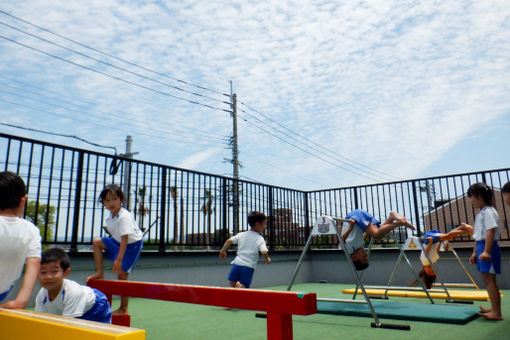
12	190
483	191
56	254
256	217
428	280
360	265
506	188
113	188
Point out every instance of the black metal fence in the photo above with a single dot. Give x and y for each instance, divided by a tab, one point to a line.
179	209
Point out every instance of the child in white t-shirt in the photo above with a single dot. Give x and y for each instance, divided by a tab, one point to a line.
61	296
20	242
125	244
486	251
250	243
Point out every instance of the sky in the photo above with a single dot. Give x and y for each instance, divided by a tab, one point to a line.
329	94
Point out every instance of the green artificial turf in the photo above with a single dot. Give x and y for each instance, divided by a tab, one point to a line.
171	320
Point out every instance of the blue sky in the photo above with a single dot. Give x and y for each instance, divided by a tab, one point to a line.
382	90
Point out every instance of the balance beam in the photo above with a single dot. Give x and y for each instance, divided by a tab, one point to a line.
279	306
24	324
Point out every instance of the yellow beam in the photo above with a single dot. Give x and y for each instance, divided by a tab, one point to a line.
458	294
23	324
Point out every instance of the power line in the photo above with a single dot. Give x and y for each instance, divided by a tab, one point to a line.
313	154
364	167
112	56
308	152
88	122
106	114
112	65
111	76
281	169
61	135
82	102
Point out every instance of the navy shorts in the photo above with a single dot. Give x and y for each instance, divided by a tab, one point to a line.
362	218
434	234
493	266
4	294
242	274
131	255
100	311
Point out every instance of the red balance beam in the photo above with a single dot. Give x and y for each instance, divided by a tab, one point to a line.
280	306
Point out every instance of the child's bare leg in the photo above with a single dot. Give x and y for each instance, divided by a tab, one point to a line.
124	300
494	313
240	285
395	217
459	231
232	284
98	247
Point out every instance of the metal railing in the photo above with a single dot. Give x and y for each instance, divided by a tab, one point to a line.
179	209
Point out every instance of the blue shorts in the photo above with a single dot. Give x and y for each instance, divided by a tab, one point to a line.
7	292
242	274
131	255
434	234
100	311
493	266
362	218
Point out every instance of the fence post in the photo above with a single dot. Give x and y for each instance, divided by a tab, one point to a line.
307	217
270	219
77	198
416	211
162	218
224	212
356	199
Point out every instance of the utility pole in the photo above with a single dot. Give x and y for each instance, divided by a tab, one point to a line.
127	170
235	162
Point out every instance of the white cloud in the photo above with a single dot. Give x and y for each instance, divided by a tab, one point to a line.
196	160
391	85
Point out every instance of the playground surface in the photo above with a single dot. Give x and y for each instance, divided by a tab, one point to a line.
173	320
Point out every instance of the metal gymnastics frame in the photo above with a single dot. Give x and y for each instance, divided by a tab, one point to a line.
448	247
326	225
418	246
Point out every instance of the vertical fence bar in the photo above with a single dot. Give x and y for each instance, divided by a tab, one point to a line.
77	198
162	212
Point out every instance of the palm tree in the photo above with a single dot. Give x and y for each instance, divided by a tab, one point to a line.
208	210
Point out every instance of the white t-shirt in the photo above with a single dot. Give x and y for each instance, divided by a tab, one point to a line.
433	254
249	244
19	239
74	300
124	224
486	219
355	239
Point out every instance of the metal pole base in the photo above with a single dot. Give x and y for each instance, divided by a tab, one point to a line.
391	326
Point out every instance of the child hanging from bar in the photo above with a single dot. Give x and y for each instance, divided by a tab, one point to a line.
432	241
363	224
